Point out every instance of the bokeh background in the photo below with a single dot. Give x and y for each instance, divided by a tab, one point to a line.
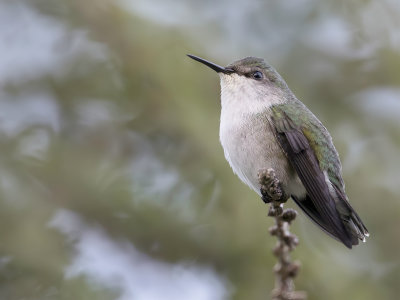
113	184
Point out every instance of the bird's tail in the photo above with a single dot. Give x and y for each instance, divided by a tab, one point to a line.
354	227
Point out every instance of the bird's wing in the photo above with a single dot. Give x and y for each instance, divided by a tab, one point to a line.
321	205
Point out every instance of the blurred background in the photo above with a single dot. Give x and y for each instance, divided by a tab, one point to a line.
113	184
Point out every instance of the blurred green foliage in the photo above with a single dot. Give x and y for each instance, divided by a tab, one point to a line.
121	129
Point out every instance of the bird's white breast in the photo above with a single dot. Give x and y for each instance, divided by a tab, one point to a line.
246	135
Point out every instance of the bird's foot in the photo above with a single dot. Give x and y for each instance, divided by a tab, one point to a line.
271	189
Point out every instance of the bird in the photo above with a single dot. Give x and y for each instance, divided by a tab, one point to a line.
263	125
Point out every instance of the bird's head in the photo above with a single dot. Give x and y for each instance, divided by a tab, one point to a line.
250	76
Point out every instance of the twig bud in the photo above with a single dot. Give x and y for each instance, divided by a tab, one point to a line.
273	230
293	269
289	215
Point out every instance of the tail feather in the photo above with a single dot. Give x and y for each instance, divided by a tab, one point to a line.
309	209
351	219
352	223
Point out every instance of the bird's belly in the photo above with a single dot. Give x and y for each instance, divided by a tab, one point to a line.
253	147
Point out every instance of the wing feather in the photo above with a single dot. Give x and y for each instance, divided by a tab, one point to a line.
303	159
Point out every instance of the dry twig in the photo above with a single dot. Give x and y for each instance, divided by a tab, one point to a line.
285	270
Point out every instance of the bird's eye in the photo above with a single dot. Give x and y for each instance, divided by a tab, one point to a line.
257	75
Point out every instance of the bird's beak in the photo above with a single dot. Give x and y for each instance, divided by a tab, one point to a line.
213	66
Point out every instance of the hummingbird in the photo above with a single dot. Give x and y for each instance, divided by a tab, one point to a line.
263	125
